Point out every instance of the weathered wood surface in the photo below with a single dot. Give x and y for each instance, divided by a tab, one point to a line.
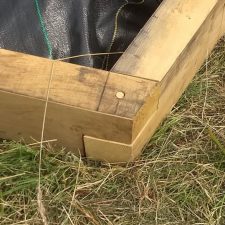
166	36
170	49
84	112
74	108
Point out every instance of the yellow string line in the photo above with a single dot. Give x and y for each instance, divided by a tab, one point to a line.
90	54
39	194
106	59
41	207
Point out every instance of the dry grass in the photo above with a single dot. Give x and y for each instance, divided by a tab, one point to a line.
179	179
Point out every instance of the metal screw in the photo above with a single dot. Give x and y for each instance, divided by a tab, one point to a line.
120	94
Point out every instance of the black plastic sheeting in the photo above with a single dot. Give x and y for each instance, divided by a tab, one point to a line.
73	27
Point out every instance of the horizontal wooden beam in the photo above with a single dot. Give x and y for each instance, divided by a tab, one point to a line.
74	108
165	37
191	29
105	115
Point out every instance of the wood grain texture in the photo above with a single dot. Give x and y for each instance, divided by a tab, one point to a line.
135	90
164	37
140	99
223	21
86	100
24	74
181	73
71	84
107	151
84	113
74	97
21	119
171	85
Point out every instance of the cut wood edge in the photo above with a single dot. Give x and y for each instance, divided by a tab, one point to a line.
98	131
170	90
116	152
84	89
22	117
107	151
165	37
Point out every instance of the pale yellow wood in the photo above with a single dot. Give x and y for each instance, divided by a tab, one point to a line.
75	94
77	85
174	82
71	84
140	99
27	75
181	74
105	115
165	37
223	22
135	90
147	110
107	151
21	118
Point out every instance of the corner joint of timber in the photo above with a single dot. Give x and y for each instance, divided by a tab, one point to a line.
105	115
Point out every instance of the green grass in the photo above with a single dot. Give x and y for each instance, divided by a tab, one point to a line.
179	179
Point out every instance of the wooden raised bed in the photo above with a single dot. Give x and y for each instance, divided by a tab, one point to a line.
111	115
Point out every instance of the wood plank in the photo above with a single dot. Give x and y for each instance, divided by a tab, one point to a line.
164	37
107	151
111	116
140	99
75	86
21	118
172	86
135	92
223	22
74	96
181	74
27	75
145	58
24	84
71	84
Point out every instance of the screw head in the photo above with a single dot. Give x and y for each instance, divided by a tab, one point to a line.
120	95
